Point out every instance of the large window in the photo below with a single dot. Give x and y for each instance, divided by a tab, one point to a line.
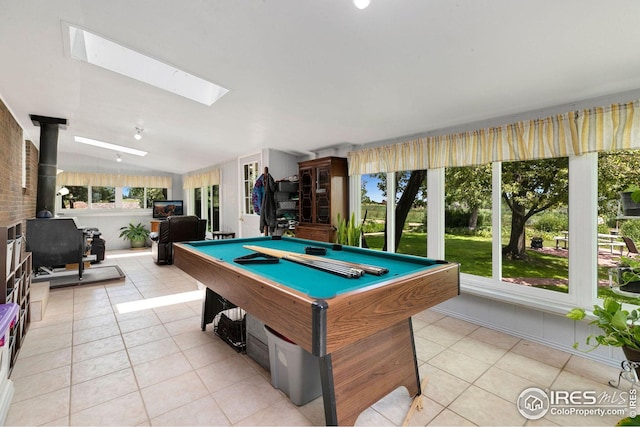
411	212
133	197
250	176
197	202
535	223
77	198
154	194
207	205
528	202
468	238
373	207
554	216
617	223
214	208
410	202
98	197
103	197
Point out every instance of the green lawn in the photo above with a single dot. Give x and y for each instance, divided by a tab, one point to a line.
474	255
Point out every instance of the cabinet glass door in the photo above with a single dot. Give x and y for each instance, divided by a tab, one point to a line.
306	195
323	207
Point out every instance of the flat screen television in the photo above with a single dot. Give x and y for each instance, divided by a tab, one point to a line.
166	208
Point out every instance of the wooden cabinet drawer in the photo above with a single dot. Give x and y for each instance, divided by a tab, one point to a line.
321	234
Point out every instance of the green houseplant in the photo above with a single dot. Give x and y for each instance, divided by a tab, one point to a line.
627	274
630	200
629	421
618	327
136	234
347	232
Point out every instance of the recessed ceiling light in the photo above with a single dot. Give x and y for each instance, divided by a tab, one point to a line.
138	134
91	48
361	4
110	146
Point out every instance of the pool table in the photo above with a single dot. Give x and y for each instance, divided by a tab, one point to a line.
359	328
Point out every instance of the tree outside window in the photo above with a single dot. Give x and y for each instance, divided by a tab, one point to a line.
133	197
373	207
468	219
78	198
535	203
618	171
155	194
103	197
411	204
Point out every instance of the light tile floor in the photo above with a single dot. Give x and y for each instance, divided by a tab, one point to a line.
86	363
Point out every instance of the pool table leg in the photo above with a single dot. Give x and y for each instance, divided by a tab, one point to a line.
357	376
208	308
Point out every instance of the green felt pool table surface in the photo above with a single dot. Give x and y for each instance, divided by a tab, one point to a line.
315	283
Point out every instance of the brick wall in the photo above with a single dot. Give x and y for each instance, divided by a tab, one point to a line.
16	202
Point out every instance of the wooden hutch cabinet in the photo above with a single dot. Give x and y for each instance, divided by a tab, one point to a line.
324	193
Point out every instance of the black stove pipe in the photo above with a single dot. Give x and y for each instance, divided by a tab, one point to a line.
48	163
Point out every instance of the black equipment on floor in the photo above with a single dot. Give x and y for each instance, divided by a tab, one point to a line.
98	244
56	242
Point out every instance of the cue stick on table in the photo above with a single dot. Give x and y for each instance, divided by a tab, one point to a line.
323	264
371	269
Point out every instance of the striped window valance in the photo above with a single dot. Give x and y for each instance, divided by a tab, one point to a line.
113	180
202	179
609	128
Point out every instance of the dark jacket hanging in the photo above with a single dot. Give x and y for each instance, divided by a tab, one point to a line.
268	203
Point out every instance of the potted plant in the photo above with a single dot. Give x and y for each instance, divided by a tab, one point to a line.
348	233
627	274
630	200
618	328
136	234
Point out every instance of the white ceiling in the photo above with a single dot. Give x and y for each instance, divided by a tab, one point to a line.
308	74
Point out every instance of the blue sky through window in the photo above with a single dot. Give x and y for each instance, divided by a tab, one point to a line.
371	185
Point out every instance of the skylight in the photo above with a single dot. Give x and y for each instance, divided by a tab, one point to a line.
104	53
109	146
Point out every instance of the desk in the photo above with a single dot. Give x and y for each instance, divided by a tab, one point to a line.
359	328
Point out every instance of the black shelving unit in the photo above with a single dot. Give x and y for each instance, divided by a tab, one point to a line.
287	200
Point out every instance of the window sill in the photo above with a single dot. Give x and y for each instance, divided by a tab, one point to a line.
537	299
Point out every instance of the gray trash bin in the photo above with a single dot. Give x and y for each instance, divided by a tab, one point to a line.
294	370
